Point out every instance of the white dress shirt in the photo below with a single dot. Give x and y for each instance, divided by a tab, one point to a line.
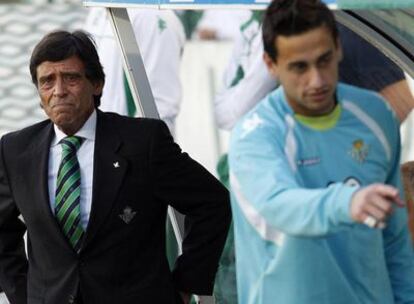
85	156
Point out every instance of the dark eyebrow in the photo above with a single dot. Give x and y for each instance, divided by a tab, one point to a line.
71	74
45	77
326	55
297	64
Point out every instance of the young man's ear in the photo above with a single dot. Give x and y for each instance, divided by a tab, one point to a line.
270	64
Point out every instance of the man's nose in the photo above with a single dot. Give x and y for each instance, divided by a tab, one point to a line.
60	88
317	78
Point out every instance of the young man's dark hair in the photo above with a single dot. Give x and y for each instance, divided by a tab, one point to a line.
293	17
60	45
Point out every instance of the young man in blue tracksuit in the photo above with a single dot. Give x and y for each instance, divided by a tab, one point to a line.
315	179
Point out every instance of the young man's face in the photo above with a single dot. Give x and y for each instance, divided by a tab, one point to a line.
307	68
66	93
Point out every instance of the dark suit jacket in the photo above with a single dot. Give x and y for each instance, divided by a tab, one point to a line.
119	262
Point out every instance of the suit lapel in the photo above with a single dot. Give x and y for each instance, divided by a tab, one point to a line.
41	152
109	171
36	161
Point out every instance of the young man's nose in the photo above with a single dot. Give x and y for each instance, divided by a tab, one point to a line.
317	79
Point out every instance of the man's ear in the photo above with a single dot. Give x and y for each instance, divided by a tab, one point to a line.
270	64
98	88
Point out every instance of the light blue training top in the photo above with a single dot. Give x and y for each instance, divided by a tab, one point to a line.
292	179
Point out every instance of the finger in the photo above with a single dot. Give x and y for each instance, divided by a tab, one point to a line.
377	213
386	190
389	192
399	202
383	204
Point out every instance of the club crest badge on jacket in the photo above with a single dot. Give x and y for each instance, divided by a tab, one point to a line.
127	214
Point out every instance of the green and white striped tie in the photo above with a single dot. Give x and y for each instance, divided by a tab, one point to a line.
68	190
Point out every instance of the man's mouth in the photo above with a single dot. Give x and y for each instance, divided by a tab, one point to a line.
320	95
62	105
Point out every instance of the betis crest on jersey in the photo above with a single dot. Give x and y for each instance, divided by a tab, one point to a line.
359	150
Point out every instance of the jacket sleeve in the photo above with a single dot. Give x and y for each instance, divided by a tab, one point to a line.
13	261
269	194
185	185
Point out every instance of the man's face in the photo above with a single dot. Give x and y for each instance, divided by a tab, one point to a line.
66	94
307	68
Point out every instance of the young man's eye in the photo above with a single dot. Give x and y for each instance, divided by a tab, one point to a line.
325	60
299	68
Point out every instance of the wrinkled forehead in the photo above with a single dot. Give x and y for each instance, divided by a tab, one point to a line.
69	65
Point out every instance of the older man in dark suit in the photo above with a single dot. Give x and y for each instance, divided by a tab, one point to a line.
93	189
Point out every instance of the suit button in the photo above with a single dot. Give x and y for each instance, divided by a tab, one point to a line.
71	299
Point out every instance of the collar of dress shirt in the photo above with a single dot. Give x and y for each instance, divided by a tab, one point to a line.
87	131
